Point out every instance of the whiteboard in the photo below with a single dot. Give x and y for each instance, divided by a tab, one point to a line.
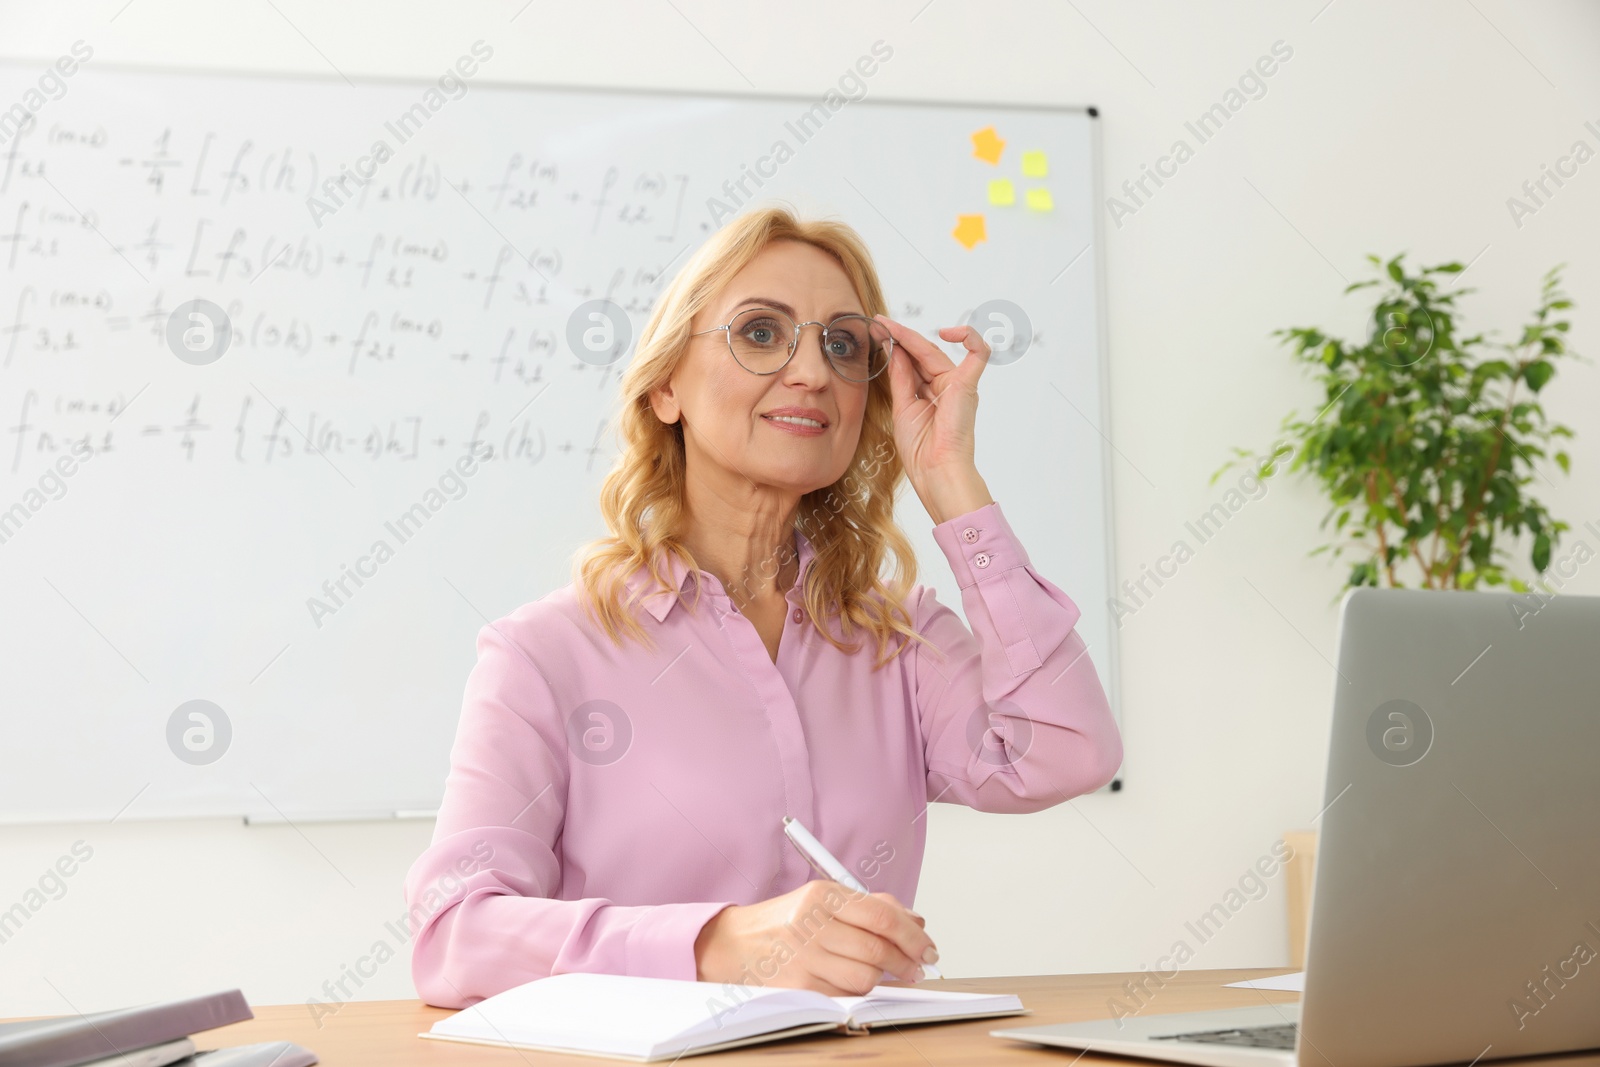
214	499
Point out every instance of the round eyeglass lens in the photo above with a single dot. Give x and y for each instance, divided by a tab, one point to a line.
857	346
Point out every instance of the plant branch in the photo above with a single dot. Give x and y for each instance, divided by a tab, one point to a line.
1438	533
1383	540
1488	476
1427	579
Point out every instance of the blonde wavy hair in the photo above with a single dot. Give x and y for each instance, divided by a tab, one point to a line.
850	523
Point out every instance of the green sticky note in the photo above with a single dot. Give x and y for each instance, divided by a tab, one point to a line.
1034	165
1039	200
1001	193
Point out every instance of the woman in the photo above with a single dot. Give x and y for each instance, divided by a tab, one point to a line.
627	752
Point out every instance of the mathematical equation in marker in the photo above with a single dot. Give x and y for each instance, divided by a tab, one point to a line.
253	431
389	319
468	262
65	328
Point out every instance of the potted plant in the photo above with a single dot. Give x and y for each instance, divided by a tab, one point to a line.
1426	447
1428	441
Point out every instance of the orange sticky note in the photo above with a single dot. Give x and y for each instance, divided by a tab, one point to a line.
1001	192
969	230
1034	165
987	145
1039	200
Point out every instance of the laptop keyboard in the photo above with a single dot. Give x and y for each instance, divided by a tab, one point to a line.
1277	1036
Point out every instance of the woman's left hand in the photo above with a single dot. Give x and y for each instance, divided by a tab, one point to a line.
935	411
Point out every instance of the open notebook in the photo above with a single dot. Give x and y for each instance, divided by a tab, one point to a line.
649	1019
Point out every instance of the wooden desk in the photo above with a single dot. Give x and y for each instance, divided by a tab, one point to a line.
382	1033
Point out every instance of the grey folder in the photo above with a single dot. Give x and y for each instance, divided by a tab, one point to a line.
69	1040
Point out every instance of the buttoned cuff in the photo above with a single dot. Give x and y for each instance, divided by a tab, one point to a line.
661	944
980	545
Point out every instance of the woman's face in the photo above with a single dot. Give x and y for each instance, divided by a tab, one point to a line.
725	408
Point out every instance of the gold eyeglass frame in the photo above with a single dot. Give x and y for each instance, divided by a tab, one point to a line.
794	341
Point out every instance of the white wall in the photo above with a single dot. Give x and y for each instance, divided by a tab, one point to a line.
1392	127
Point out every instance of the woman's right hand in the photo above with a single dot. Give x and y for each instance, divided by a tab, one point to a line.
821	936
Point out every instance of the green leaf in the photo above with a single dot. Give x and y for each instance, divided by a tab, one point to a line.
1564	462
1490	369
1541	553
1537	373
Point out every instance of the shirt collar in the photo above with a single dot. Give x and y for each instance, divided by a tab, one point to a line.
658	602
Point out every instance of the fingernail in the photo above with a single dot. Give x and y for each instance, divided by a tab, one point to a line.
913	914
930	955
917	975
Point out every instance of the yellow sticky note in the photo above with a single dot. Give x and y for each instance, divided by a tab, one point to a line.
1001	193
1039	200
1034	165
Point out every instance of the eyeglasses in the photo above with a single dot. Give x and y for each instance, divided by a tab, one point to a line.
763	340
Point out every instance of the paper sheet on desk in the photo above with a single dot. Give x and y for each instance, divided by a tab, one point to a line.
1288	983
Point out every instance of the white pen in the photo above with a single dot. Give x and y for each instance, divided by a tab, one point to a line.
824	863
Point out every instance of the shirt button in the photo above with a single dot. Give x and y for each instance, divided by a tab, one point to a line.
798	615
969	535
981	559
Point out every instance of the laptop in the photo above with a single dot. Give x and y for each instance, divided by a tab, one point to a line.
1455	915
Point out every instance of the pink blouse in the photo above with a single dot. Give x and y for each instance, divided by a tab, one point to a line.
603	803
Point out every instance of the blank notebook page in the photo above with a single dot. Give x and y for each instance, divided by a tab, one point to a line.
632	1015
895	1004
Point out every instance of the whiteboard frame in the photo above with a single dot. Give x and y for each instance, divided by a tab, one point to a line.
1110	676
